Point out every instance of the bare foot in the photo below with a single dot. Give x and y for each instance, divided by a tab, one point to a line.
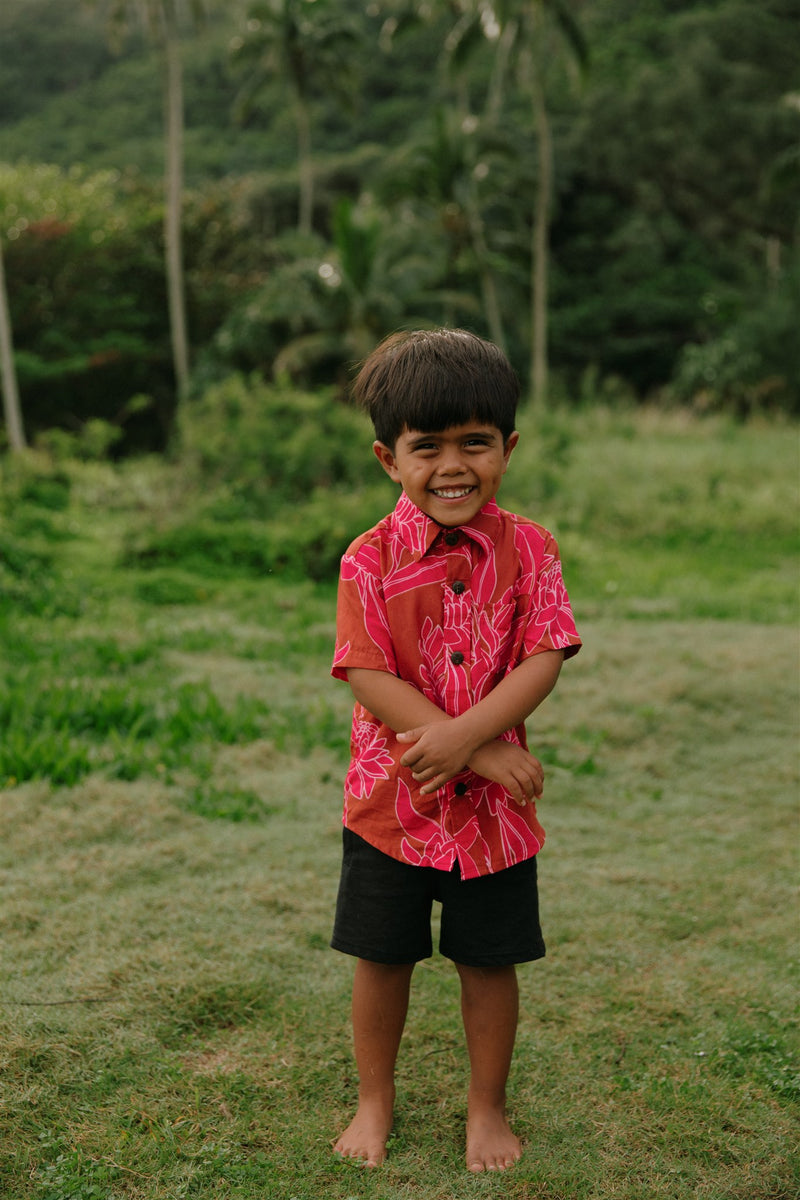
491	1145
366	1136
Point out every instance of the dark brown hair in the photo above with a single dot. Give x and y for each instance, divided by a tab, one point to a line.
432	379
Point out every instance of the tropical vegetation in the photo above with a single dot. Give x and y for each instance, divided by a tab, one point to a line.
612	195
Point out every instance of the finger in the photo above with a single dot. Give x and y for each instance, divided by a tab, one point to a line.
526	789
409	735
424	775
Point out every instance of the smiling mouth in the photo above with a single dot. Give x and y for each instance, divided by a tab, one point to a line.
452	493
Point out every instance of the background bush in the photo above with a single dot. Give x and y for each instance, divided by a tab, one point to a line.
273	480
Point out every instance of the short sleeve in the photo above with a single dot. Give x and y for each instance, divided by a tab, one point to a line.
362	628
550	624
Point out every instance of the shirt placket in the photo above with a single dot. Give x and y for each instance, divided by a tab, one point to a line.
458	626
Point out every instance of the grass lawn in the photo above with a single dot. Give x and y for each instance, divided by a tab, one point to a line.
172	1022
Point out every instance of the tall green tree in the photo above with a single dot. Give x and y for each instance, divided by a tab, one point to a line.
530	36
443	167
163	22
448	173
307	46
327	305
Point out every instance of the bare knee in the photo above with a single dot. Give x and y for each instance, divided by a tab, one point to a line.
483	979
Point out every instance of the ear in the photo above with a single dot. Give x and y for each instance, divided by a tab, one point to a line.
386	458
507	449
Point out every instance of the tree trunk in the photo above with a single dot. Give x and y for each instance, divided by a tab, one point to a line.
173	203
8	374
497	83
540	248
491	303
305	165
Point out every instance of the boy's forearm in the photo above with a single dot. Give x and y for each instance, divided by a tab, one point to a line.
439	751
439	745
393	701
513	700
401	706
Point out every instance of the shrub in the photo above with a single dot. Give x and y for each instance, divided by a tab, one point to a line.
755	364
300	541
34	499
275	484
264	444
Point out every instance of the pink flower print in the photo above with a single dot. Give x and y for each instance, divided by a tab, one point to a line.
551	617
375	620
422	829
515	833
341	653
432	658
493	629
371	761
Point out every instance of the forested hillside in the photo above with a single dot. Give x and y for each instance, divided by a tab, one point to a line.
611	191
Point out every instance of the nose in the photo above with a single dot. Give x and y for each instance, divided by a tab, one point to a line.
451	461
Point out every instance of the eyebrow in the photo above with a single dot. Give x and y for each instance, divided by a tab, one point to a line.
417	436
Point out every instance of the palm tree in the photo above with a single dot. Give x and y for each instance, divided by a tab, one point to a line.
373	279
526	25
446	167
162	22
524	50
302	43
441	171
8	375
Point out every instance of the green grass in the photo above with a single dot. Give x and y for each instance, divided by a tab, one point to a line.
172	1023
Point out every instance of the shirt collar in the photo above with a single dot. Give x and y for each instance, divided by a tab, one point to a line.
417	531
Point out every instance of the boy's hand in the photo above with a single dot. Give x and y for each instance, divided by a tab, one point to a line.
439	752
512	767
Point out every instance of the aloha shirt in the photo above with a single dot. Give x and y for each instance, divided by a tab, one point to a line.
450	611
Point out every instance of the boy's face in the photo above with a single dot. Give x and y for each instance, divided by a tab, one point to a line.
449	474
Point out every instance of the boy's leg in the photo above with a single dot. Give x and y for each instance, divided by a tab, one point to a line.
380	1003
490	1008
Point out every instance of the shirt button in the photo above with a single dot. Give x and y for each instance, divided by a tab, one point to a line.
451	538
459	586
456	658
460	789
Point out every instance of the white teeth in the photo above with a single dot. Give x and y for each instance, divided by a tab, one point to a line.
451	493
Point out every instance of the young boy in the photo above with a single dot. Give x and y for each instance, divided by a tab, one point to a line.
452	625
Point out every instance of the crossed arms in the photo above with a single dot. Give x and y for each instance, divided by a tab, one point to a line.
440	745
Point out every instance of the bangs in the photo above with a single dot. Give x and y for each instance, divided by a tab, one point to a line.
447	401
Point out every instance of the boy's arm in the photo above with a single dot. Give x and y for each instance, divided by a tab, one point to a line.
444	745
393	701
441	750
399	704
513	768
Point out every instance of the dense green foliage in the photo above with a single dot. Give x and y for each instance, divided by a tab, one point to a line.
673	239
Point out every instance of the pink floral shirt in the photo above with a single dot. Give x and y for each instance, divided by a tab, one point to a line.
451	611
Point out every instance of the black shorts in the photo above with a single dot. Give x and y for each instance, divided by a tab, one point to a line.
383	911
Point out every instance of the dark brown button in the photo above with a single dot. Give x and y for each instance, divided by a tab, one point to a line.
451	538
459	586
460	789
457	658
